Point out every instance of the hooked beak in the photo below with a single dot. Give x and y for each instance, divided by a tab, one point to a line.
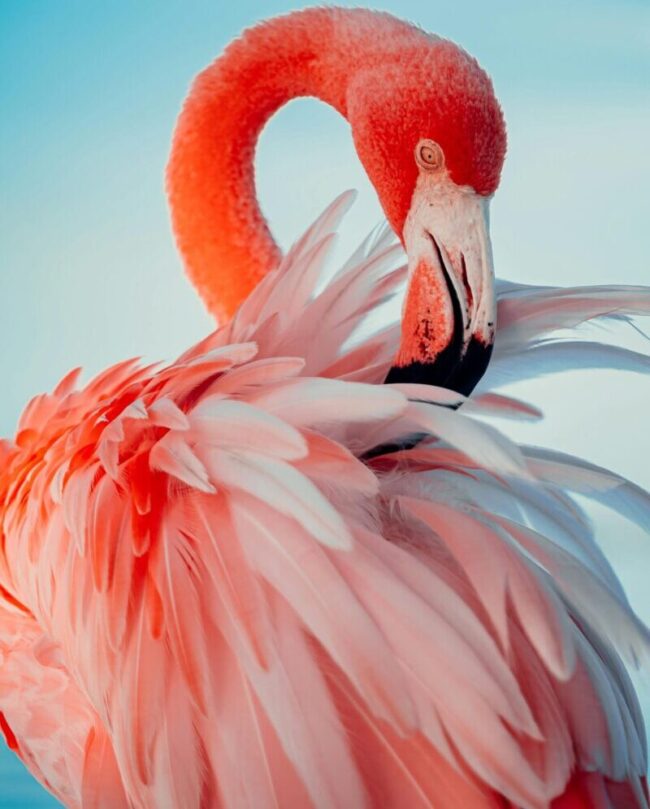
449	315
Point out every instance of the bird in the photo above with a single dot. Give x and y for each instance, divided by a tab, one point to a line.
297	567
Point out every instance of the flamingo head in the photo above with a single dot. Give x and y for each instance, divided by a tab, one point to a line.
431	136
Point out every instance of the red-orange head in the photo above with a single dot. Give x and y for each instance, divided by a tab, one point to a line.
431	91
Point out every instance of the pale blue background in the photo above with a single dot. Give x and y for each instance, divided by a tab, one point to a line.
89	92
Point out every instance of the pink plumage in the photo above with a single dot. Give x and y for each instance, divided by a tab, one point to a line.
259	577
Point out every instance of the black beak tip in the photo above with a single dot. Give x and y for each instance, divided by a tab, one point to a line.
448	370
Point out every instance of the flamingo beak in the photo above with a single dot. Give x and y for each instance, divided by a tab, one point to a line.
449	315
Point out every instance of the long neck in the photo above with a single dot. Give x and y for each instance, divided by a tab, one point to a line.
220	230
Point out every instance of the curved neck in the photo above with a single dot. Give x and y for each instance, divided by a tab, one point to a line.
219	227
221	232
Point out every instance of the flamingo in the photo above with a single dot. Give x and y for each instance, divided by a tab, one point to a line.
261	577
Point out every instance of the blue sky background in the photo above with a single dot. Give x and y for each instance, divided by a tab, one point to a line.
88	271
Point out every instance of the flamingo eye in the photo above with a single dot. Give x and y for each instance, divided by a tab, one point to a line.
428	155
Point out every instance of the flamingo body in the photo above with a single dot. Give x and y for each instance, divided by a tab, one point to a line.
259	577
